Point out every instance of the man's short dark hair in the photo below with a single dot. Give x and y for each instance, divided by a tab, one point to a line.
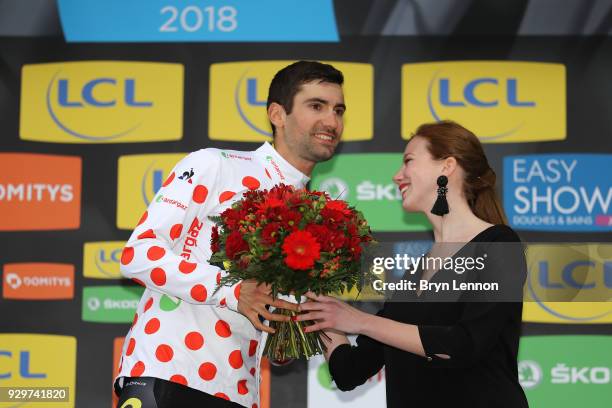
288	81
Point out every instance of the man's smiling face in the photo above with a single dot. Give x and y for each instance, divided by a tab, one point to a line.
313	129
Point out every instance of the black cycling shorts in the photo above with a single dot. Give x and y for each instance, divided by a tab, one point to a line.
149	392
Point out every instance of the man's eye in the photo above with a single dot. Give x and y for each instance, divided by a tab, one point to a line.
316	106
340	112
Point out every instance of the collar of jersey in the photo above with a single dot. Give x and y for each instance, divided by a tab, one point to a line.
292	175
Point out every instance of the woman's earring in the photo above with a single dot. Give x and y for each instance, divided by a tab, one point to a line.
441	205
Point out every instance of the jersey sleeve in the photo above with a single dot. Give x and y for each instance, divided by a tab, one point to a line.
181	207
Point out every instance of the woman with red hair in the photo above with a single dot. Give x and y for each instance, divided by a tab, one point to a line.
436	354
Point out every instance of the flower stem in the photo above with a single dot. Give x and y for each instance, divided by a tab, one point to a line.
290	341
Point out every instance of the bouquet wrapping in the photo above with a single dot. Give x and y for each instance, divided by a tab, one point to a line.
296	241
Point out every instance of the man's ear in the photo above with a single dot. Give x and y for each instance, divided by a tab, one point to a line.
277	115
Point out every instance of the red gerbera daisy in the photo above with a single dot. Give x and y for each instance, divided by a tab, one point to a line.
302	250
338	205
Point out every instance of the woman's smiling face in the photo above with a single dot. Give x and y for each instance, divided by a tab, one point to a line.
416	178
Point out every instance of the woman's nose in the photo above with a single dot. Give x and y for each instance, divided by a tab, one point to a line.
397	178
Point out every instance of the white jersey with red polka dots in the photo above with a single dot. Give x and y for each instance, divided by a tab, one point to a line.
183	331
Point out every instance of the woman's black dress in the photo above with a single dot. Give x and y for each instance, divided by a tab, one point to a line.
482	339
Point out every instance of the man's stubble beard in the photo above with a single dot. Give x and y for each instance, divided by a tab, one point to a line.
307	150
320	156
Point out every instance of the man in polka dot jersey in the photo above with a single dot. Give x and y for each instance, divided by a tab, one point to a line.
189	346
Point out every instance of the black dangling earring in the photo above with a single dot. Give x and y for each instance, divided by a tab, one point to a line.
441	205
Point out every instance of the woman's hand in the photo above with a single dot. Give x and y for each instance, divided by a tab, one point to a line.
331	313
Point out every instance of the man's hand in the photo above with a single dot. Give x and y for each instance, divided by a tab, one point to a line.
252	303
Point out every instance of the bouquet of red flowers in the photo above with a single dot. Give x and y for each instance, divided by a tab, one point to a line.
296	241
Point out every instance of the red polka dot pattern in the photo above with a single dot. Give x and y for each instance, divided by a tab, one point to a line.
169	179
235	359
127	255
147	234
198	293
187	267
152	326
250	182
194	340
143	218
175	231
155	253
130	348
252	347
207	371
223	328
199	194
158	276
148	304
242	388
164	353
226	195
166	349
177	378
138	369
138	281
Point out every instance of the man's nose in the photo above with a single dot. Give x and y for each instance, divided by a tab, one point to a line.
331	120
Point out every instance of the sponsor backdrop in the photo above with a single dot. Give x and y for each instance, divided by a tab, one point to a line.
99	100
